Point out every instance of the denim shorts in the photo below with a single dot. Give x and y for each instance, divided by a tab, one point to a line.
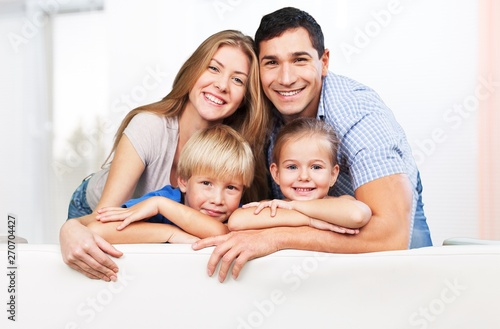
78	205
421	236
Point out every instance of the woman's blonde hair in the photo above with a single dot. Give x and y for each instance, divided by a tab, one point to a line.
219	152
251	119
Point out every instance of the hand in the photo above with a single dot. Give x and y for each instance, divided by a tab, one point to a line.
322	225
143	210
273	204
238	248
85	251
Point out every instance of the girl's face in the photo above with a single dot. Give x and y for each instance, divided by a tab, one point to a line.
220	90
304	170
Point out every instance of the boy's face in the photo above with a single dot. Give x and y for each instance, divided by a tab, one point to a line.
215	198
292	72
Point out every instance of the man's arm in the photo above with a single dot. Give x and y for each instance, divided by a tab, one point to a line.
389	198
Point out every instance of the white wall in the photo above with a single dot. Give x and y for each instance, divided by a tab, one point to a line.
420	56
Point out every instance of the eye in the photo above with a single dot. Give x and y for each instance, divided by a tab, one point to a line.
239	81
270	63
316	167
206	183
301	59
213	68
232	188
291	167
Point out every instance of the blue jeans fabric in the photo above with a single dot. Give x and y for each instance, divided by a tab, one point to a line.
78	205
421	236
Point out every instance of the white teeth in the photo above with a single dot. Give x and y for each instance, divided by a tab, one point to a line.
298	189
289	93
214	99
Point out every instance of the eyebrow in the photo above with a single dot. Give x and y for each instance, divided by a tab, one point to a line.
293	55
222	65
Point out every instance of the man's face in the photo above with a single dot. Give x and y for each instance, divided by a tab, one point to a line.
291	73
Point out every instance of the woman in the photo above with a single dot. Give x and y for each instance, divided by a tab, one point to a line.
218	83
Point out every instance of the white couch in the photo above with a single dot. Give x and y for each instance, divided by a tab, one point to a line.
166	286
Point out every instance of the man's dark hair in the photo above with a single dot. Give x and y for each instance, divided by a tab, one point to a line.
276	23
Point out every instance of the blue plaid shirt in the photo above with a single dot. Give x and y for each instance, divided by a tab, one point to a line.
372	143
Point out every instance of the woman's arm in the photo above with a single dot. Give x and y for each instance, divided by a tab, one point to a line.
142	232
82	249
192	221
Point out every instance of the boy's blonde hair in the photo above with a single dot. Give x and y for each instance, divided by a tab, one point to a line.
219	152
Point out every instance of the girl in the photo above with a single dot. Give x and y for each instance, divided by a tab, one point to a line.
305	167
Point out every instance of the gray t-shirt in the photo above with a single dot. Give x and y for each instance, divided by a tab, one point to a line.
155	139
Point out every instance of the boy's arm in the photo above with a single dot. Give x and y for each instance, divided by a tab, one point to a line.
343	211
141	232
192	221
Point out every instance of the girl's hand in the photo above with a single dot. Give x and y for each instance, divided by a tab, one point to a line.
273	204
143	210
322	225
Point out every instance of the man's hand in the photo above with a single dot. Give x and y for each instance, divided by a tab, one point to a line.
236	248
85	251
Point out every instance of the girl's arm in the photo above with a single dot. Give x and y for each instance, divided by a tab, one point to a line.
142	232
343	211
192	221
248	219
340	214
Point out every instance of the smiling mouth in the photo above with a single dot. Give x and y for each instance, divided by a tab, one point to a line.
289	93
304	189
214	99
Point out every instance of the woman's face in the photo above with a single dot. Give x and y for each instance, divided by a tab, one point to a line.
220	90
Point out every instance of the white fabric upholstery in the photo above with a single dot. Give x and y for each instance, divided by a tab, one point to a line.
166	286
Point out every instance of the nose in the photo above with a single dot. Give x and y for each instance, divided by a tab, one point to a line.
286	75
304	175
216	196
221	84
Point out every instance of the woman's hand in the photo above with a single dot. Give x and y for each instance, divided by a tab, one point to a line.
86	252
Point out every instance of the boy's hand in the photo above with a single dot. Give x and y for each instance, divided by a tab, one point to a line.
140	211
322	225
273	204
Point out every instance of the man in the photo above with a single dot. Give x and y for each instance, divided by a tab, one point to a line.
376	163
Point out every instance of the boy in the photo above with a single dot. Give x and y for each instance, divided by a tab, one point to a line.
215	166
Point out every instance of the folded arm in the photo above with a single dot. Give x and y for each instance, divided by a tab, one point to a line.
389	198
142	232
192	221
